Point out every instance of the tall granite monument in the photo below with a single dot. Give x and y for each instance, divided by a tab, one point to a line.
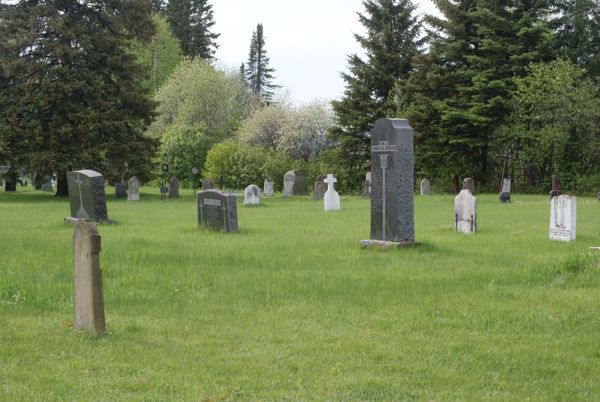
86	196
392	187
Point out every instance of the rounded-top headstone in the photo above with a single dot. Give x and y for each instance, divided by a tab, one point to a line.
252	195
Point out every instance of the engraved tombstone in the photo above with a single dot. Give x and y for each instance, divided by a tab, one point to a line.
252	195
331	198
268	187
563	218
392	187
465	212
367	186
134	189
173	187
320	188
217	210
425	187
505	193
469	184
120	190
86	196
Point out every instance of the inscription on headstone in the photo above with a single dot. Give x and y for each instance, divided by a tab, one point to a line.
252	195
217	210
563	218
392	187
86	195
134	189
425	187
465	212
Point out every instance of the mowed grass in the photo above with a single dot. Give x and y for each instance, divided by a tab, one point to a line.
291	308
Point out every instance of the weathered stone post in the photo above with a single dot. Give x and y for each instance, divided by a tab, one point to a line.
89	299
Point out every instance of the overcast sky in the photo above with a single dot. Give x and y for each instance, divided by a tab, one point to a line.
308	41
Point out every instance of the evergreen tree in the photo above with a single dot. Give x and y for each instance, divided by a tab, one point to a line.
70	90
577	28
191	22
391	43
258	74
461	95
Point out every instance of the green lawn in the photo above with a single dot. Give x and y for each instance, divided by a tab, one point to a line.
291	308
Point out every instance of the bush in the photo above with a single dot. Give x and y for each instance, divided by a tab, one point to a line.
241	165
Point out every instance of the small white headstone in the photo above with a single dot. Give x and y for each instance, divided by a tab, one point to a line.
134	189
563	218
331	200
425	187
268	187
252	195
465	212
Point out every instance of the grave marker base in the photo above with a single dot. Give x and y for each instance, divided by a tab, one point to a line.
380	244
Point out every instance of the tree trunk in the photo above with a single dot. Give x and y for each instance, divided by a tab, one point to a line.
10	180
62	188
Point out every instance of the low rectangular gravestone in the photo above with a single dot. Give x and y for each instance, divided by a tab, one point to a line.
392	187
563	218
217	210
86	196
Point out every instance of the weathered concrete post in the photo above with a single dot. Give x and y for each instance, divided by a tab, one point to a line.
89	299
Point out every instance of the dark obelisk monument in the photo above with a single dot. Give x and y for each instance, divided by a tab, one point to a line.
392	191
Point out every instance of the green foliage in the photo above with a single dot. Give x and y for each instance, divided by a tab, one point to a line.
191	22
241	165
257	73
159	56
556	121
70	90
391	42
185	148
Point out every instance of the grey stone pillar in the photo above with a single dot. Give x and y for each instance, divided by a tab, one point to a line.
89	299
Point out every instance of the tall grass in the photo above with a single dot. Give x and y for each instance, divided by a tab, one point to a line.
291	308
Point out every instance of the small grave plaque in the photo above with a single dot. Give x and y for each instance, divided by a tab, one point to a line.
563	218
217	210
87	196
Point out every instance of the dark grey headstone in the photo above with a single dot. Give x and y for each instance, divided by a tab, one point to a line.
320	188
173	187
207	184
392	173
217	210
120	190
86	195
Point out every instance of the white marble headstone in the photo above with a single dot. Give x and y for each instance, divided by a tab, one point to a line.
268	188
252	195
465	212
134	189
563	218
331	200
425	187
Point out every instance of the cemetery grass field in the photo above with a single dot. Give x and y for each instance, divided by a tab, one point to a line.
291	308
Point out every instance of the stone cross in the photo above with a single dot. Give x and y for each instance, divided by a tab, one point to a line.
563	218
89	298
392	187
465	212
331	199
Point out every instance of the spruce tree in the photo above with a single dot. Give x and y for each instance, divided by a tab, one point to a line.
460	94
71	94
258	74
191	22
391	43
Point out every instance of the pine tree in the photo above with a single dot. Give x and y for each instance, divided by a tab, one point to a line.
461	95
70	90
391	43
258	74
191	22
